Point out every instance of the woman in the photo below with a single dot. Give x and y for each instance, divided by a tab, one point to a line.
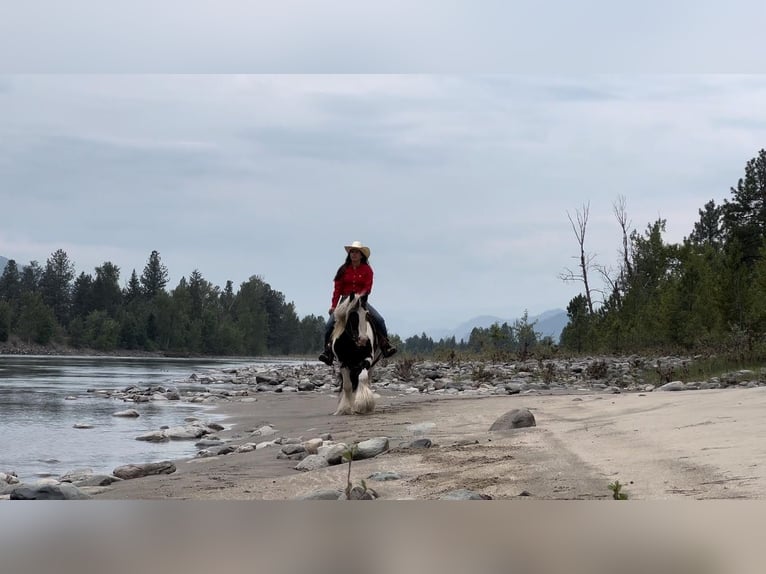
355	276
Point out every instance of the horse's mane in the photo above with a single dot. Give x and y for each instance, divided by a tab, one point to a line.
346	304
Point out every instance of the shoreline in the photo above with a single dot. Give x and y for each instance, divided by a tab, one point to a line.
659	445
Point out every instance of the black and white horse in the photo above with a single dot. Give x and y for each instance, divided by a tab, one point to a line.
353	343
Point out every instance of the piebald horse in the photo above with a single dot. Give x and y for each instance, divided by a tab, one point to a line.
353	344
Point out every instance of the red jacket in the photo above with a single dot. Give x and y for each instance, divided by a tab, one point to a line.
357	280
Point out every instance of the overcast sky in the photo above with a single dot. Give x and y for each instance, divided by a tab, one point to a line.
457	172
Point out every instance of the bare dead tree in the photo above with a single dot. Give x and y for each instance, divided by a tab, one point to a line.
620	212
616	280
579	226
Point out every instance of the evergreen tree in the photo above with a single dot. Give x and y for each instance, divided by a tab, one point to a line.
575	335
56	285
10	282
155	276
708	230
744	216
525	334
132	290
31	276
82	296
6	314
107	295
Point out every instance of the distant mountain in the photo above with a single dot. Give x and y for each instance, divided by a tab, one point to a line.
548	324
3	261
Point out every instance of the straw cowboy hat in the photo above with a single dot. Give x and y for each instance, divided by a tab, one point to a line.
358	245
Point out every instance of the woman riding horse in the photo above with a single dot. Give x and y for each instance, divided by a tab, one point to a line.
355	277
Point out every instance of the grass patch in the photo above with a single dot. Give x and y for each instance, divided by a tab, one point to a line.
699	369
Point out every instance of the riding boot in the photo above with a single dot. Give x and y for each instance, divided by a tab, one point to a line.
386	348
327	356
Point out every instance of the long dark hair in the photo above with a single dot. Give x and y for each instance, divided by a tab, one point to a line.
342	269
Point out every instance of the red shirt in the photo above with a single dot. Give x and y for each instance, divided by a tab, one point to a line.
357	280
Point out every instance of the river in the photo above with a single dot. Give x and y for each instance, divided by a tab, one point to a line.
43	397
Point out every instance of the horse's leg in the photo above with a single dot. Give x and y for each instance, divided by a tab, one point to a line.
345	405
364	399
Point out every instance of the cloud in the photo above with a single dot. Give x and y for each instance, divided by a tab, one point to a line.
461	184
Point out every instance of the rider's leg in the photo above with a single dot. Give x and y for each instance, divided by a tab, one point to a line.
327	355
385	344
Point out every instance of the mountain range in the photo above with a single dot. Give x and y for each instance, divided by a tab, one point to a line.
547	324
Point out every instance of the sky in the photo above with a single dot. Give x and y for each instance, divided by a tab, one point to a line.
460	178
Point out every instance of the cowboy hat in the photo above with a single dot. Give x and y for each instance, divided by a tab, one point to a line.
358	245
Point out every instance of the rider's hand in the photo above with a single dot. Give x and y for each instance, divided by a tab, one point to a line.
331	311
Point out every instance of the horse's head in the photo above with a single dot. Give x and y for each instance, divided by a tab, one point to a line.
351	317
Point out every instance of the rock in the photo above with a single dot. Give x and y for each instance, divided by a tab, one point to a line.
464	494
126	413
333	454
129	471
312	445
324	494
371	448
208	442
672	386
154	436
9	478
265	430
312	462
189	432
421	443
62	491
82	426
96	480
75	475
290	449
513	419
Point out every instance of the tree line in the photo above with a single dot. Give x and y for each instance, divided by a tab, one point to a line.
498	341
51	304
704	294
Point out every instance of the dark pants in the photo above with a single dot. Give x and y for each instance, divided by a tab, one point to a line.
380	324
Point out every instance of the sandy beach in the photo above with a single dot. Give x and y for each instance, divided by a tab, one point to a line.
705	444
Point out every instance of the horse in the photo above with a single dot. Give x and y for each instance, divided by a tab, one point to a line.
353	344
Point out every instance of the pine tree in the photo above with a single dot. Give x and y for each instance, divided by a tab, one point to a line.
10	282
107	295
56	285
744	217
132	290
155	276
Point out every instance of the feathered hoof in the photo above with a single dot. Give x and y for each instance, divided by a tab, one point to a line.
365	402
343	411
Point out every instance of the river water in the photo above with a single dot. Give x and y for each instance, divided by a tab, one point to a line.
37	434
